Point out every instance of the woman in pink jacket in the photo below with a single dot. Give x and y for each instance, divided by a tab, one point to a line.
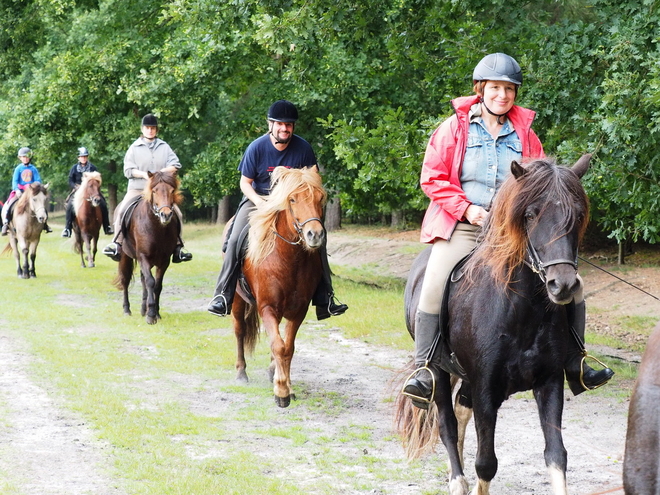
467	159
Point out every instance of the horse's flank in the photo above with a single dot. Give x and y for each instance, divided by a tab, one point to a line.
504	244
264	216
23	203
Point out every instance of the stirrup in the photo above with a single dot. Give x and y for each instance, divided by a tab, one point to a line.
416	397
586	355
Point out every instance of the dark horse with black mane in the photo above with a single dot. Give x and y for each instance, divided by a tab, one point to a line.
150	239
282	269
641	464
507	321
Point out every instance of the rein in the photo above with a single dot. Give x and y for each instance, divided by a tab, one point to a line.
539	266
297	227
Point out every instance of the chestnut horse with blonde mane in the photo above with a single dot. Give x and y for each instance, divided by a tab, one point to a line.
150	239
88	219
507	322
282	269
28	219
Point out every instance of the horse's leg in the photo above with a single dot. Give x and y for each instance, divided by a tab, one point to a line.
158	287
463	412
278	348
550	402
17	254
33	257
94	244
26	264
485	419
290	332
125	268
448	427
240	328
148	293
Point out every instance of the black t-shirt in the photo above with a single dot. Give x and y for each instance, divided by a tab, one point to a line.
261	158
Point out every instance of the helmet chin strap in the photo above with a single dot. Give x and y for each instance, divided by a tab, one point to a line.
500	116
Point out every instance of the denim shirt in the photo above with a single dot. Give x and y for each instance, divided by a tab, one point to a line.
487	161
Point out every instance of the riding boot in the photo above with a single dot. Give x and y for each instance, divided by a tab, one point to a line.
180	255
420	387
579	375
68	219
105	218
5	228
324	296
46	228
225	287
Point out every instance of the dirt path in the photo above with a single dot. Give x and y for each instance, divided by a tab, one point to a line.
46	450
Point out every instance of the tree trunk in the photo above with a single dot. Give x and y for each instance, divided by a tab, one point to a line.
622	253
224	214
333	214
398	219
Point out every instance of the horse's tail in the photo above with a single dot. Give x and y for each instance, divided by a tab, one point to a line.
252	324
417	428
6	250
125	272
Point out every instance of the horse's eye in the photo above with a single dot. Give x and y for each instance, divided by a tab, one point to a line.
529	216
291	200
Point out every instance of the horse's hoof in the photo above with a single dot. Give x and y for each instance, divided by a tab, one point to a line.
242	377
151	320
283	401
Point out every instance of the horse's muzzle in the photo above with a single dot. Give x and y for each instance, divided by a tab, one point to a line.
562	283
165	216
314	238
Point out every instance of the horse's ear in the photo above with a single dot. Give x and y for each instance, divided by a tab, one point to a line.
149	174
517	169
582	165
47	186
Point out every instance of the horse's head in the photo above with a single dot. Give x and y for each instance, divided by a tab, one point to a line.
162	193
304	196
538	218
36	199
90	188
293	211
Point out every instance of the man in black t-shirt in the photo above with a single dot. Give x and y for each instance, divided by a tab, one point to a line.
279	148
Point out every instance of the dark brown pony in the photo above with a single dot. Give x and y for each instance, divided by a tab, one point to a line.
508	322
88	220
28	219
641	464
282	268
150	240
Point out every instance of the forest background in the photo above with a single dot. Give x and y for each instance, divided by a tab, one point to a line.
371	78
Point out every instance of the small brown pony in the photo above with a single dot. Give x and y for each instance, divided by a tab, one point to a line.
28	219
150	239
641	466
282	268
88	219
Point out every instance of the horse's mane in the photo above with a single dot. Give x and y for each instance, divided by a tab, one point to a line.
504	241
79	196
264	217
169	178
23	203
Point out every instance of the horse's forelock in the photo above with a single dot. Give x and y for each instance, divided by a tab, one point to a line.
263	219
168	178
30	191
505	238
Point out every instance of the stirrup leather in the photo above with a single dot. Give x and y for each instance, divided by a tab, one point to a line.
424	399
586	356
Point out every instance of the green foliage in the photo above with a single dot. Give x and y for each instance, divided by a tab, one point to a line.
371	80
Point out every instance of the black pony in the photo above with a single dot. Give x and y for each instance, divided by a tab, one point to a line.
507	321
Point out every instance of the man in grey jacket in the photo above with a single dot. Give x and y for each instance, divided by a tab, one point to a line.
147	154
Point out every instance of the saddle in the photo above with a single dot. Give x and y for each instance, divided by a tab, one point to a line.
441	352
128	215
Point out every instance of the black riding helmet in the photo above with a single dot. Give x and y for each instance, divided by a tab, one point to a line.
150	120
498	67
283	111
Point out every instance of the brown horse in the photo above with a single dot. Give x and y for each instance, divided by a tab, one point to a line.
641	466
28	219
150	239
88	219
282	268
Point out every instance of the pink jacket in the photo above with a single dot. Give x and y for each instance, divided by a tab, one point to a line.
441	170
